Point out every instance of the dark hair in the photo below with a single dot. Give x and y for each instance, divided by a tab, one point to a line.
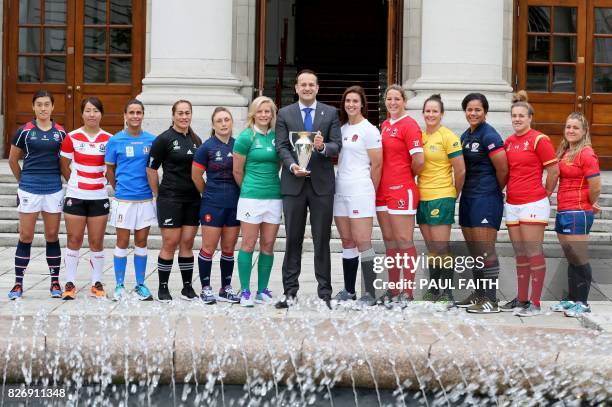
133	101
42	93
94	101
194	137
219	109
434	98
364	103
475	96
308	71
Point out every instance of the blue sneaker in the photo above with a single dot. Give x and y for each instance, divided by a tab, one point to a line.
264	297
143	293
577	310
228	295
16	292
119	292
55	290
562	306
207	296
246	299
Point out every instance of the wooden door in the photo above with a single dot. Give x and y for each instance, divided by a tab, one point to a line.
598	89
550	59
564	60
73	48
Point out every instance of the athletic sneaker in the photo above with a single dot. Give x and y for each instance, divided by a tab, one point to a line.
163	294
577	310
97	290
55	290
563	305
188	294
143	293
385	299
16	292
119	292
264	297
472	299
207	295
70	291
514	305
366	300
246	300
344	295
484	306
430	296
228	295
529	311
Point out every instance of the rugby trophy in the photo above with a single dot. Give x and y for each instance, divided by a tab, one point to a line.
303	144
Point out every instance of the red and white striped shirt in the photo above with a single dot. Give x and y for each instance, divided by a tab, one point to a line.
87	180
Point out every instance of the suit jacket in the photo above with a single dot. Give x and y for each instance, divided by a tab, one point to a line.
321	167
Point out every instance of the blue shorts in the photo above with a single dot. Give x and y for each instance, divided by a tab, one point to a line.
574	222
218	217
481	212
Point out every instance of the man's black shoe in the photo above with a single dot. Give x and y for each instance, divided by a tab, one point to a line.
285	302
327	302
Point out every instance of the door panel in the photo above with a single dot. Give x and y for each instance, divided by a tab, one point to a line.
599	79
549	60
73	48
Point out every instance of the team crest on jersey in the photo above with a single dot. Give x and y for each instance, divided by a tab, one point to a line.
475	147
525	145
355	138
56	136
175	143
394	133
401	204
102	148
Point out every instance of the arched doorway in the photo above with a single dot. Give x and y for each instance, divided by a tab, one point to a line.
347	42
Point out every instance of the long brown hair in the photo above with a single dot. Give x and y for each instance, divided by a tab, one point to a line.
564	146
194	137
364	103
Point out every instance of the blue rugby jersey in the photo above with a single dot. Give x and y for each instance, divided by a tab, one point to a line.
130	155
478	147
41	173
216	158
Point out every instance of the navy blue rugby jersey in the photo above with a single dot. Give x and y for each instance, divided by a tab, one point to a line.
478	148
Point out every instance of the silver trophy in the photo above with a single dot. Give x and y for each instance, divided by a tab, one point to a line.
303	144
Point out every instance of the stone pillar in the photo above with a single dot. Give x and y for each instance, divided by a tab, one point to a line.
462	51
191	58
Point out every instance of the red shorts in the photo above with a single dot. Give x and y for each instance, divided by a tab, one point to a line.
400	199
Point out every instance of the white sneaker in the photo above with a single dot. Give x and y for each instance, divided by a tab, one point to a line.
264	297
246	300
530	311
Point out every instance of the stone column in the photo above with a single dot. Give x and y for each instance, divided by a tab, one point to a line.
191	58
462	51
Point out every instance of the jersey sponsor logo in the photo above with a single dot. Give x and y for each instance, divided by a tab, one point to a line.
102	148
175	143
475	147
106	205
355	138
456	144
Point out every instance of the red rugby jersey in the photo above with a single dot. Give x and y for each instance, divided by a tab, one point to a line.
87	180
400	140
527	156
573	193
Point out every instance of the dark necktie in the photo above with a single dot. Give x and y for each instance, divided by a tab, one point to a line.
307	118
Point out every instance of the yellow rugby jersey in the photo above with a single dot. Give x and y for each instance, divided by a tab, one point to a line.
436	179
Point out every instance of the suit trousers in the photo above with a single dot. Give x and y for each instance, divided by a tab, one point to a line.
321	215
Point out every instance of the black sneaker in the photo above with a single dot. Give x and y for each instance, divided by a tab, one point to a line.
188	294
514	305
472	299
163	294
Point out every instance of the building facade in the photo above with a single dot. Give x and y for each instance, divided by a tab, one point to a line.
215	52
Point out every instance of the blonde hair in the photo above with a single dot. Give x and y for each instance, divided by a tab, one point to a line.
521	99
255	105
564	146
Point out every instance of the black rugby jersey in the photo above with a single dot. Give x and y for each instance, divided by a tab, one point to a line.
174	152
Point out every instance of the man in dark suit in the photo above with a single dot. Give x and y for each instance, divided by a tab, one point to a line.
311	187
